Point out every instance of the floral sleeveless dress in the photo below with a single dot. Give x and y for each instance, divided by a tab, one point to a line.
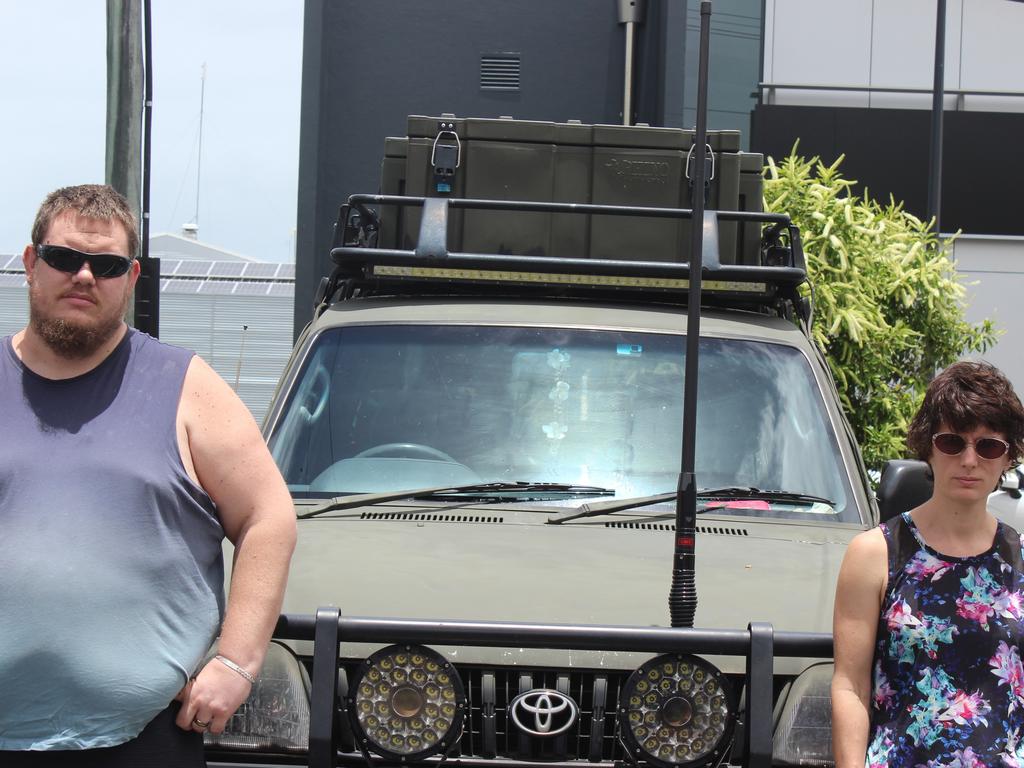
948	681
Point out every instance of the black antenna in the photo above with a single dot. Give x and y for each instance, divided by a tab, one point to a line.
199	160
682	598
147	289
147	123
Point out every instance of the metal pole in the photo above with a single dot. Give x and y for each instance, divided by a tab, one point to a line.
683	594
199	159
627	89
147	289
241	352
935	165
147	123
123	124
631	13
124	86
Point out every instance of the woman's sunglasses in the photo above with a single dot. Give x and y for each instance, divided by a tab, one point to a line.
65	259
986	447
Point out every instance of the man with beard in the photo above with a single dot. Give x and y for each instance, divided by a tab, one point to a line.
124	462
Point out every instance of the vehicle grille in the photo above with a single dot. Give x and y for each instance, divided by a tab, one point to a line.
488	731
591	738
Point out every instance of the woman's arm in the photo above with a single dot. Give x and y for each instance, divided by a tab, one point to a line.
861	585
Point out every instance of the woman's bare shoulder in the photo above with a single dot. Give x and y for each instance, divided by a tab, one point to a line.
867	558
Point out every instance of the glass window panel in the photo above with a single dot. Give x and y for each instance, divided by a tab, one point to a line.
554	405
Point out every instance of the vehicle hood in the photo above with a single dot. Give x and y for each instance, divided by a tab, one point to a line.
496	565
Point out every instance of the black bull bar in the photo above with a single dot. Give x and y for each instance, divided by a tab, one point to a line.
759	643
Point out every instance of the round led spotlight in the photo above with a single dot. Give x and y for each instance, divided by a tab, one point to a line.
406	703
676	711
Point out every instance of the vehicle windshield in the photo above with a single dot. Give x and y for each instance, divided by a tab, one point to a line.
393	407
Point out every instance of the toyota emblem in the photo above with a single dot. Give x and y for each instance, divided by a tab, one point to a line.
543	712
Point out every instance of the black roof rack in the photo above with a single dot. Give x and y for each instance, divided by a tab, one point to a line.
430	268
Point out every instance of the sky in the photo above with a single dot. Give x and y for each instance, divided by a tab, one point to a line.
53	114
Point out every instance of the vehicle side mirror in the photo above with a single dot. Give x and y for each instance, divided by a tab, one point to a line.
1011	482
905	484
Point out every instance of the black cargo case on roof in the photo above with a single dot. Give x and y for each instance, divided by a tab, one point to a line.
535	161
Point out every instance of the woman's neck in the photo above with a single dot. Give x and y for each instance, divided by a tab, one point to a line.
954	529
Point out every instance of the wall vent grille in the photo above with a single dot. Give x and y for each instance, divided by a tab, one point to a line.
500	72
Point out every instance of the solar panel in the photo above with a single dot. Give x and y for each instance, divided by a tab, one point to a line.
227	269
287	270
194	268
180	286
251	289
12	280
282	289
257	269
217	287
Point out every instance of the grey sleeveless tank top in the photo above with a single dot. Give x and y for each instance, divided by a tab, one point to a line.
111	573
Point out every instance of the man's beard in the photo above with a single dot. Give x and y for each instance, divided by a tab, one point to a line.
70	340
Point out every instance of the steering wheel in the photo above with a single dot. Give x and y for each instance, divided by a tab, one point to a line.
410	450
314	398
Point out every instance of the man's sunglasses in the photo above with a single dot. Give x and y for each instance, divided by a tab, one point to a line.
66	259
986	447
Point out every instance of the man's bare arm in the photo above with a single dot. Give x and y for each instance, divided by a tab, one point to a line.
224	450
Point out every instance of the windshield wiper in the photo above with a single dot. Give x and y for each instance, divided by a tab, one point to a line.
608	507
757	494
498	491
728	493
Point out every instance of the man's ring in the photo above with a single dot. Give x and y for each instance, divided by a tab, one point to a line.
200	723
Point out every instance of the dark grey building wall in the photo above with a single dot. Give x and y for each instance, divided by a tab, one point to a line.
734	65
887	152
367	66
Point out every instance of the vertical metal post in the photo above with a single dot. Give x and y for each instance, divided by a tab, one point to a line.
627	89
241	353
760	61
199	155
935	164
147	289
758	746
323	750
124	86
682	598
124	91
631	13
147	123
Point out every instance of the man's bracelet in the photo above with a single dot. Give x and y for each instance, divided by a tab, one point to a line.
234	667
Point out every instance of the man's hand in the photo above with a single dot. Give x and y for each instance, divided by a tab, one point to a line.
208	701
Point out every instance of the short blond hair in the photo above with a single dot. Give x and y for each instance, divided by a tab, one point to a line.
94	201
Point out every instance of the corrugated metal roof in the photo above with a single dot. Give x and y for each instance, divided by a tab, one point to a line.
170	245
246	339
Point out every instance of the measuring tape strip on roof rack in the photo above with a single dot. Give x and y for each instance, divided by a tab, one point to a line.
615	281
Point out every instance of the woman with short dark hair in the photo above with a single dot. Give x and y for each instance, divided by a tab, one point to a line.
929	605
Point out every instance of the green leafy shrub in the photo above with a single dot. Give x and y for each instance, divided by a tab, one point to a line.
888	303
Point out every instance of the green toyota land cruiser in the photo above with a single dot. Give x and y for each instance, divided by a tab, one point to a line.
485	446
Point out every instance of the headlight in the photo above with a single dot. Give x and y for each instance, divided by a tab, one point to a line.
406	702
276	714
676	711
804	733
